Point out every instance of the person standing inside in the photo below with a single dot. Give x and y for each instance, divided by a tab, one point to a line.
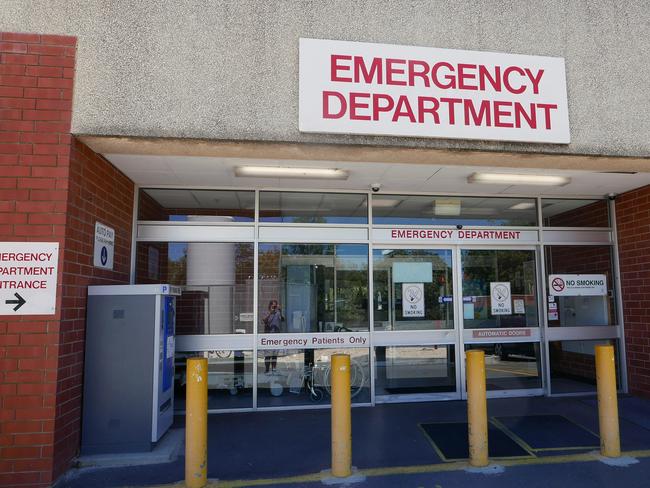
272	322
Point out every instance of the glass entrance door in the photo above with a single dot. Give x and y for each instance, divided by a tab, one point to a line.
500	315
414	334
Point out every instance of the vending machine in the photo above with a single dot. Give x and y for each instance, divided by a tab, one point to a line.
128	401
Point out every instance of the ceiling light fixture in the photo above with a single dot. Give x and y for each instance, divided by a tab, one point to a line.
518	179
290	172
446	207
522	206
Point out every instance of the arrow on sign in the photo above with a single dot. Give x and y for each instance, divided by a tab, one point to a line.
20	302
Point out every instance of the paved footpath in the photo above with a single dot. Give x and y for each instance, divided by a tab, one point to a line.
291	449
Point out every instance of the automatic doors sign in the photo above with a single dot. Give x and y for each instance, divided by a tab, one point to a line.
577	285
412	299
488	333
384	89
104	246
500	298
28	277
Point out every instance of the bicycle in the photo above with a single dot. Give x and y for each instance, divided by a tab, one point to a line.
316	379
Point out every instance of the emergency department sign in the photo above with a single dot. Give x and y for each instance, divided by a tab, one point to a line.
500	298
384	89
28	278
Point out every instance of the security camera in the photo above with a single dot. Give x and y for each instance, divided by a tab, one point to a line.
459	226
375	187
612	196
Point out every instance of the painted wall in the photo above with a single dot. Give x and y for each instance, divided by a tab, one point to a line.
228	70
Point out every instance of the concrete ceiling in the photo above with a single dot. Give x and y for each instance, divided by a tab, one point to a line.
218	172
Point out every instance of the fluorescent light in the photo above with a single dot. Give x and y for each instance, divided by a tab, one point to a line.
446	207
522	206
290	172
518	179
385	203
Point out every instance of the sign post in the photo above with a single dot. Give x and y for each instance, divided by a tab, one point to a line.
28	278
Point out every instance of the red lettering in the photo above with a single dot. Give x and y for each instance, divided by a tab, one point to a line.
547	107
327	114
393	233
531	118
355	104
463	75
451	102
377	108
360	70
477	118
391	71
433	110
335	67
484	74
506	79
403	109
413	72
449	77
535	79
499	113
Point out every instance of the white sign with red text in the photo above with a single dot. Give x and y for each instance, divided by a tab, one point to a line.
455	236
385	89
28	278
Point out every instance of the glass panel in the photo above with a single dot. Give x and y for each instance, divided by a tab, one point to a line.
413	289
585	310
421	369
302	377
573	365
196	205
482	267
318	287
216	281
511	366
427	210
313	208
230	379
575	213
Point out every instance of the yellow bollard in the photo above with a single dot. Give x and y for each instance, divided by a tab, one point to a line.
341	416
196	424
477	409
610	441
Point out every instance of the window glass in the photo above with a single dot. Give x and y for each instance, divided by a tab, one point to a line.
573	365
230	379
579	305
302	376
313	208
480	268
574	213
413	289
216	280
412	370
433	210
511	366
317	287
196	205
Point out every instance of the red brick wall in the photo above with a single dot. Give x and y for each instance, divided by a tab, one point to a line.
633	219
52	189
36	74
97	192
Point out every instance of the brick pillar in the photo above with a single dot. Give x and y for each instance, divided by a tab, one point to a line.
36	76
52	189
633	226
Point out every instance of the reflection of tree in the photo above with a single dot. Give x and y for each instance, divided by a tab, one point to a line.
309	219
177	271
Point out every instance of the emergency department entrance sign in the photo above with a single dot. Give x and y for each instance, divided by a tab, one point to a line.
28	277
384	89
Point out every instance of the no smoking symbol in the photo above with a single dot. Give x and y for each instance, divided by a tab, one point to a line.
557	284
